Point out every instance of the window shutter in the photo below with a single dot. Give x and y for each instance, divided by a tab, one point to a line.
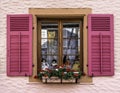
19	45
100	45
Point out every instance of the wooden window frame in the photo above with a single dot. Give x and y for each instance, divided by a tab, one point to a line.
60	39
61	13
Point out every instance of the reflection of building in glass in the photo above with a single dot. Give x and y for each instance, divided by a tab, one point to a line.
44	35
71	43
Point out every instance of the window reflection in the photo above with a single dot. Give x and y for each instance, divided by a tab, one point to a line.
71	43
49	44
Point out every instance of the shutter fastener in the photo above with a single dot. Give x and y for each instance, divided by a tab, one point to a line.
87	65
32	27
33	65
87	27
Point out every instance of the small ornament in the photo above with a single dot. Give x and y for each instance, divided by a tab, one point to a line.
45	65
54	63
76	66
67	64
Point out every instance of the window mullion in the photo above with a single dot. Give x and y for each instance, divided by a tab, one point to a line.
60	42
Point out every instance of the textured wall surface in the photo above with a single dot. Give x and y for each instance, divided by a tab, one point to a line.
21	84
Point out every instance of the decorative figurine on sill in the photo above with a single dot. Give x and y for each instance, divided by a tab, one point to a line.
67	63
76	65
45	65
54	63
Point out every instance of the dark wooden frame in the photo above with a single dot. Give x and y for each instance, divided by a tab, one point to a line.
44	13
60	39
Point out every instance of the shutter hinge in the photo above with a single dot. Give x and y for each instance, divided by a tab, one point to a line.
33	65
87	65
87	27
32	27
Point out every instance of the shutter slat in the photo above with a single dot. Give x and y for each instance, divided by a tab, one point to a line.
19	45
100	45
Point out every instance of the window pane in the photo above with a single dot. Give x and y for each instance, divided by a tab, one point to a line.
49	46
49	30
71	30
71	42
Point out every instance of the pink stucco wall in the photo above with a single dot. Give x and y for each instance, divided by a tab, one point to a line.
22	85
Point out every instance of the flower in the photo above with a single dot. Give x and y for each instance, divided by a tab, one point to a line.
60	72
46	69
60	66
49	71
56	69
42	71
76	75
68	69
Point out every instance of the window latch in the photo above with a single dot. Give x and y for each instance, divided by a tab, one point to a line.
32	27
87	65
33	65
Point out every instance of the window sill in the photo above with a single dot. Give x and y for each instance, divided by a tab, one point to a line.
83	80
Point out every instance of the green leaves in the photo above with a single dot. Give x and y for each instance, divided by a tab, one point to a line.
68	75
60	73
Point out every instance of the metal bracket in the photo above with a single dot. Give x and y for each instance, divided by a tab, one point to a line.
87	65
87	27
32	27
33	65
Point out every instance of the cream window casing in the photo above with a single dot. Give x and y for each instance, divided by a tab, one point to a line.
60	13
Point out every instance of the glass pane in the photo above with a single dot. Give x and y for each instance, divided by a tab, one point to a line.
49	62
49	46
71	47
71	42
71	30
49	30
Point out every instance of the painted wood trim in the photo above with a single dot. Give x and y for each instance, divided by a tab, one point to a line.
61	13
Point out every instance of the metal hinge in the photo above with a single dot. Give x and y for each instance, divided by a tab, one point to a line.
33	65
87	27
32	27
87	65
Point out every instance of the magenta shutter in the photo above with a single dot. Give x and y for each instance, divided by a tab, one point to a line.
100	45
19	45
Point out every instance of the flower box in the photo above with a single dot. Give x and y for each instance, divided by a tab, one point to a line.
59	75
